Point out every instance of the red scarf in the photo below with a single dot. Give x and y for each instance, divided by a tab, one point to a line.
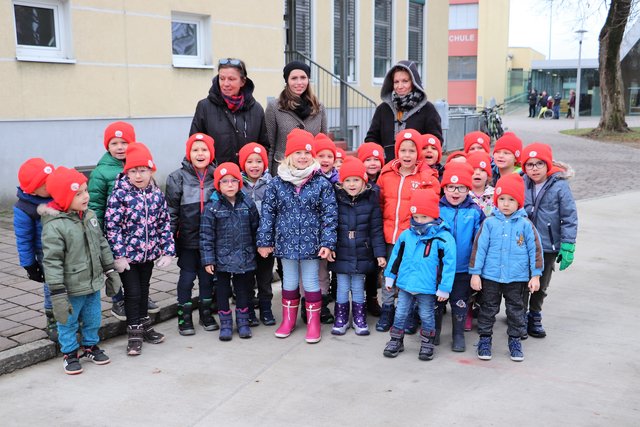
234	102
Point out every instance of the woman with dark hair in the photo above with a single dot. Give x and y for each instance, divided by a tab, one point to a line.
230	114
296	107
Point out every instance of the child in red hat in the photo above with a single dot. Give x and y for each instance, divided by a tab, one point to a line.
76	259
341	155
228	246
27	227
187	191
138	228
432	153
422	267
506	155
372	155
481	189
477	141
505	260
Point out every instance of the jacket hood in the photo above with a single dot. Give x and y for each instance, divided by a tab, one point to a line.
466	203
412	69
32	198
562	170
520	213
215	95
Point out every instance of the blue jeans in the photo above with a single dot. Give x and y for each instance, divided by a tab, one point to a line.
353	283
295	269
87	309
426	310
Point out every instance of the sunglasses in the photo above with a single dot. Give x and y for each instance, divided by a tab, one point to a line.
230	61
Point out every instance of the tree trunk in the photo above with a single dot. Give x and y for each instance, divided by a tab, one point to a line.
611	86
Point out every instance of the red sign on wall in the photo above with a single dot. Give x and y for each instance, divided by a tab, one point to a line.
463	42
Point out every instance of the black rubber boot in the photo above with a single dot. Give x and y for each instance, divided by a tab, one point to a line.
438	317
457	322
207	320
325	313
185	320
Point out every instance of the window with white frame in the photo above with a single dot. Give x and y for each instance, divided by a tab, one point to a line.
463	16
338	50
42	30
416	33
190	40
382	34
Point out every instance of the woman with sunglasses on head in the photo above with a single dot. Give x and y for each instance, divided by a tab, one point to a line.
230	114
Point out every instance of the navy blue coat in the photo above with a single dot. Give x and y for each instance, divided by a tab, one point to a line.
360	236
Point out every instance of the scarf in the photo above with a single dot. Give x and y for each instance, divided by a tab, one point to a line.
297	176
407	102
421	229
234	102
303	109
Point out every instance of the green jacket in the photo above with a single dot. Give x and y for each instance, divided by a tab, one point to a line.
101	184
76	254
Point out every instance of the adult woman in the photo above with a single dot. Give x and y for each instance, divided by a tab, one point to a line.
296	107
404	106
230	114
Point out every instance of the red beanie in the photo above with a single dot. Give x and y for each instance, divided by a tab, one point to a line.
340	153
510	142
540	151
455	154
119	130
299	140
511	185
227	168
138	155
253	148
477	137
481	160
204	138
34	173
411	135
428	139
371	149
323	142
458	174
63	184
353	166
424	202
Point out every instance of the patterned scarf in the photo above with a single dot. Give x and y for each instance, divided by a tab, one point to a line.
297	176
234	102
407	102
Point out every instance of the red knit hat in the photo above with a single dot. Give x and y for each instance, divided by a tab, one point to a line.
540	151
34	173
455	154
457	173
411	135
371	149
481	160
119	130
138	155
510	142
227	168
477	137
323	142
299	140
511	185
352	166
340	153
428	139
253	148
425	202
63	184
204	138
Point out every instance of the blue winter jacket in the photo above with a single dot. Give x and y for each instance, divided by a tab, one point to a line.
296	223
464	220
553	211
256	190
28	227
507	249
423	257
228	234
360	236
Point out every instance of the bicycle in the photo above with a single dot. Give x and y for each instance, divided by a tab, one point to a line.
491	122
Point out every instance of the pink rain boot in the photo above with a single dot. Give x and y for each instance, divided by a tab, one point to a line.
469	319
289	313
313	321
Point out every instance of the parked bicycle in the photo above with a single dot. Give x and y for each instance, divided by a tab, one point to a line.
491	122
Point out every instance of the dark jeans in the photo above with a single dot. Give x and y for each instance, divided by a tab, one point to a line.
190	268
242	284
533	301
136	291
264	277
371	284
492	293
459	295
532	110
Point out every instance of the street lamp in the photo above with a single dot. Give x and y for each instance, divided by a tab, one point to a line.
577	115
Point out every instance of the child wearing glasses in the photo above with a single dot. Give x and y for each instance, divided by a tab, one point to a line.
464	217
551	207
228	247
138	229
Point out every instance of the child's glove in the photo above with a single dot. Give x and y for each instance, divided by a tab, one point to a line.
164	261
34	272
112	284
121	264
61	306
565	257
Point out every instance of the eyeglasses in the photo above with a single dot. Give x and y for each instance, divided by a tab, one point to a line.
459	188
140	171
536	165
229	181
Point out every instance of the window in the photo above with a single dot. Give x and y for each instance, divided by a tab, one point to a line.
463	16
382	38
416	32
302	27
338	52
190	40
462	67
43	32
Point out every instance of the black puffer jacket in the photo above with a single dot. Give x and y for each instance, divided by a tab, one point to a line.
230	131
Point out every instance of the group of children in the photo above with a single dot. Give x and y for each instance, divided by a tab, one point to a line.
322	211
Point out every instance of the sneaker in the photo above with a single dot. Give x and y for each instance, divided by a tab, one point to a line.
152	307
95	354
515	349
484	348
117	311
71	363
